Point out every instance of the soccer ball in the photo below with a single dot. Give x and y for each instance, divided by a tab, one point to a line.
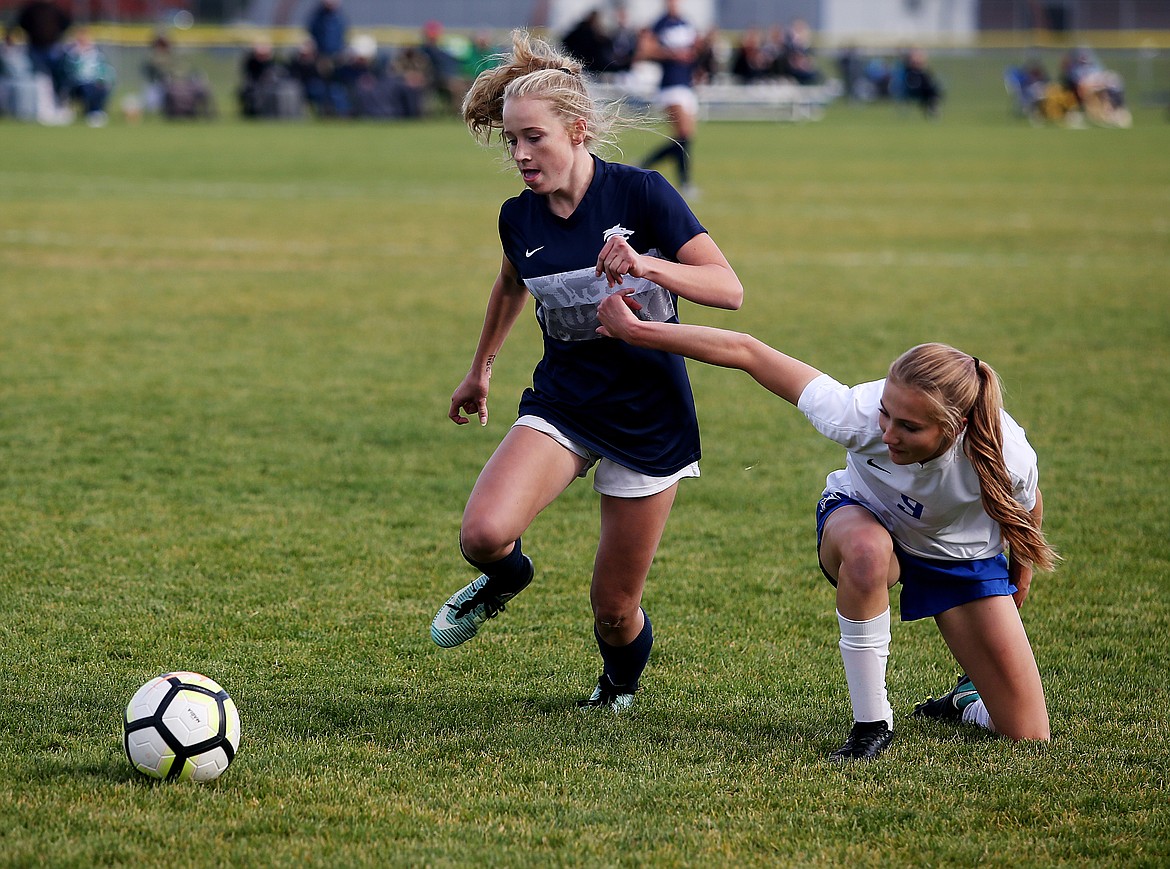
181	725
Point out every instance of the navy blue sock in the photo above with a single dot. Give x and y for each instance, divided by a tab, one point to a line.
623	665
683	155
510	574
667	150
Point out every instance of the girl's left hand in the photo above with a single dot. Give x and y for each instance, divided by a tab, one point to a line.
617	258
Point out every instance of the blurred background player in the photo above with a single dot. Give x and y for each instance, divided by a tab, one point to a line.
673	43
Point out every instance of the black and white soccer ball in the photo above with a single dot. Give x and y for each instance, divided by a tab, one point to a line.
181	726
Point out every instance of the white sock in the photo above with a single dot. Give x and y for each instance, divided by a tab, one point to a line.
865	646
976	713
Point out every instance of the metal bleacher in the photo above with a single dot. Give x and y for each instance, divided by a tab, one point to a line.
726	100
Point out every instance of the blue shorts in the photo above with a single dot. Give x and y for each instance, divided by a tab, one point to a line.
929	585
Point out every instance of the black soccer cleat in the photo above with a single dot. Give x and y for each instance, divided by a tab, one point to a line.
866	741
950	706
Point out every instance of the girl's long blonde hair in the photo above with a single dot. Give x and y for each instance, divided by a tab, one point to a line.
534	68
962	390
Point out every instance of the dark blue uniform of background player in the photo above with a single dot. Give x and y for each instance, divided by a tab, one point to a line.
673	42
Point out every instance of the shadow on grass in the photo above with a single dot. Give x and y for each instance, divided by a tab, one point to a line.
115	769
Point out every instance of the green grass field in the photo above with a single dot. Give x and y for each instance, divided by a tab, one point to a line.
225	363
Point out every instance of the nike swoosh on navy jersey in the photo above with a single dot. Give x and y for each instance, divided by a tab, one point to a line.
528	253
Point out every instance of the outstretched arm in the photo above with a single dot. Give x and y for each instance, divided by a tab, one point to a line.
775	371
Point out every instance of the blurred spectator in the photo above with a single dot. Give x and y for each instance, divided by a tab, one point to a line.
772	47
851	70
259	73
623	43
188	95
1028	87
1059	105
18	96
328	29
796	59
89	77
351	70
879	78
413	69
479	56
589	43
373	92
919	84
267	87
44	24
373	84
174	89
304	69
1099	92
157	70
750	63
707	57
445	81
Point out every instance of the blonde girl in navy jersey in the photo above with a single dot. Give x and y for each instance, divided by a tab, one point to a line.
937	480
581	229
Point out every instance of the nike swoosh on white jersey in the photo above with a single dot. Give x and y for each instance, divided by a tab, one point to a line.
528	253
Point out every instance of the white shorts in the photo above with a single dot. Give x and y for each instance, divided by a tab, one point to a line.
681	96
611	478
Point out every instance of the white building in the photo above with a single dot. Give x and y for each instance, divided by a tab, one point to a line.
893	20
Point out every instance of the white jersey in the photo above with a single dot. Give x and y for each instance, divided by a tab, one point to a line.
933	509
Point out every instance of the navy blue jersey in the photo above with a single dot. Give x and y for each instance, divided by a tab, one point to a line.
629	404
676	34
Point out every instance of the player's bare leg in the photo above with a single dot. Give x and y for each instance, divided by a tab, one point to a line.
631	529
525	474
987	638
